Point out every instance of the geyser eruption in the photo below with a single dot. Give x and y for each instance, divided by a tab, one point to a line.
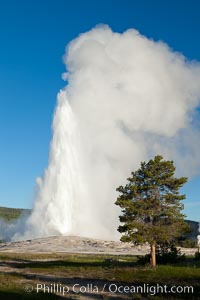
127	98
59	191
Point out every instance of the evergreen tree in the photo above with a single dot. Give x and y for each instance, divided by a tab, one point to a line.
151	205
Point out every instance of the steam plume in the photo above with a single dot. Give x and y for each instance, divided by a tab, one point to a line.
127	98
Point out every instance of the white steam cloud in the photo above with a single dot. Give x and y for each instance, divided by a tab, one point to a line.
127	98
198	236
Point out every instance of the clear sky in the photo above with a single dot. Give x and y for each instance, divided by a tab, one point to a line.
33	36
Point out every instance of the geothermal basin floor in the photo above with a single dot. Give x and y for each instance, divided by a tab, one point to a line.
74	244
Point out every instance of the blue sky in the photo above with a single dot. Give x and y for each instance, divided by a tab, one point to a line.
33	36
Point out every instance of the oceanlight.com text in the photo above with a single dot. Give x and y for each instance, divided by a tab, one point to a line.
112	288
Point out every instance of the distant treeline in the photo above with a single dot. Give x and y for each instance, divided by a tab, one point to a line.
190	239
9	214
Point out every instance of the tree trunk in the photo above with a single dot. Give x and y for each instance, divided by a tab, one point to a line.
153	256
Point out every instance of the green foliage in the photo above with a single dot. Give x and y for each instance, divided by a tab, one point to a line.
165	254
151	204
187	243
169	254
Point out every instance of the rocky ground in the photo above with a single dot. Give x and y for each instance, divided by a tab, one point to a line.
74	244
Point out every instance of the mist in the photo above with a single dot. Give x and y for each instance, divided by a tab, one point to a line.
127	98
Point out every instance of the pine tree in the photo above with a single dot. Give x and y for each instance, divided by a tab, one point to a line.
151	205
